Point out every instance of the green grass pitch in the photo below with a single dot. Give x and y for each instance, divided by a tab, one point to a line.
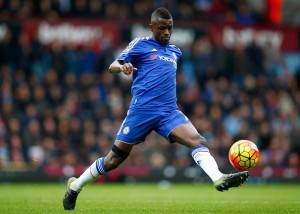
151	198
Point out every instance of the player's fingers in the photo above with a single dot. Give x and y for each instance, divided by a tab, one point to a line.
127	71
130	65
124	68
128	68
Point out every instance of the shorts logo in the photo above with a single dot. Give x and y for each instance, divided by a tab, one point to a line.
126	130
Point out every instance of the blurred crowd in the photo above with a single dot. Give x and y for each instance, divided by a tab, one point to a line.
229	11
60	106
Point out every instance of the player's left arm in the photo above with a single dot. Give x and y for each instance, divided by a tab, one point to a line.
178	53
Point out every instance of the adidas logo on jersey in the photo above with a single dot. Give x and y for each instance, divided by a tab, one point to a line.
153	50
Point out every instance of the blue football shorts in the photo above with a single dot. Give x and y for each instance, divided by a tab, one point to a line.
139	123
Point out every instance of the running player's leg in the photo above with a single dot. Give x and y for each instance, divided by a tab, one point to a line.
135	127
187	135
119	152
102	165
176	127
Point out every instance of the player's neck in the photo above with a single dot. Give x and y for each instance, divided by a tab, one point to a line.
164	45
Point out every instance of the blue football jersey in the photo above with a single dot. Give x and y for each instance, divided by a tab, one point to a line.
154	82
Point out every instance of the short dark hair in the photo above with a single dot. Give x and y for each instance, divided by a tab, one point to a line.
161	12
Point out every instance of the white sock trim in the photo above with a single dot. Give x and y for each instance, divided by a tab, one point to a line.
89	175
207	162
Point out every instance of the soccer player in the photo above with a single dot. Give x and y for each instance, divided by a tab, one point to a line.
153	62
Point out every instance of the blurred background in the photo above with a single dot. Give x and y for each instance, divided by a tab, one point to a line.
60	109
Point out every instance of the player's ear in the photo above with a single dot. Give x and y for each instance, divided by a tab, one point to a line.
151	27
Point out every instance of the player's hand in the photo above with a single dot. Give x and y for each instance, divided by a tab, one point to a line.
127	68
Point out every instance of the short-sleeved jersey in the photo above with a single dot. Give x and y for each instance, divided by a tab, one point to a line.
154	82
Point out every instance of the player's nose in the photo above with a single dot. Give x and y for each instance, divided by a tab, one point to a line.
167	33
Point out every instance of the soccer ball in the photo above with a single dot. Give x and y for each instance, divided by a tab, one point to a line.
243	155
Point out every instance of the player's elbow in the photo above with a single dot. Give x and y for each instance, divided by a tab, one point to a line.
111	68
114	67
114	70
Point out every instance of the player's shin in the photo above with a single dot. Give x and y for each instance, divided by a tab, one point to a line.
207	162
90	174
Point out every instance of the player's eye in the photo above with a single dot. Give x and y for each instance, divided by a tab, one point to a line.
165	27
162	27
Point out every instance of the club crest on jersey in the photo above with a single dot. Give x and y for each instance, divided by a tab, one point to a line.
126	130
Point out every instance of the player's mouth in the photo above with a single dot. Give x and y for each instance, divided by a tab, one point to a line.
165	39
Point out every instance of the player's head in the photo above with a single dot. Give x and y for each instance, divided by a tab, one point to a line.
161	25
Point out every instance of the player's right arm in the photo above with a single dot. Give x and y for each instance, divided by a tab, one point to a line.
119	66
124	62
